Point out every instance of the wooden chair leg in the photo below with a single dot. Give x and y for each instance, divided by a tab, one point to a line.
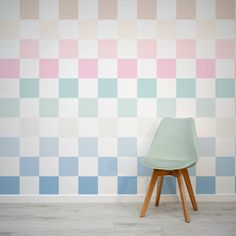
190	189
183	198
159	187
149	192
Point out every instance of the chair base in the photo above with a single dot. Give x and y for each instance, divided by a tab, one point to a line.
159	174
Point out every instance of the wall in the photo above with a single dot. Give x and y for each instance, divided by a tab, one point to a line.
84	84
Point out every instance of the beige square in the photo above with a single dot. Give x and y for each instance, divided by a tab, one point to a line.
107	9
87	29
127	29
147	9
68	9
29	9
68	127
9	29
225	9
49	29
205	29
166	29
186	9
107	127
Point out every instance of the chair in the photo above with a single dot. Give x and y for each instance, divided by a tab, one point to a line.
173	149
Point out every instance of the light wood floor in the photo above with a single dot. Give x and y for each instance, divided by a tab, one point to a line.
69	219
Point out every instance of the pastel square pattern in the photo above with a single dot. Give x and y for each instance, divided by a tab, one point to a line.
29	166
127	68
166	68
225	88
107	48
127	146
205	68
48	184
88	68
88	185
127	185
29	88
29	48
9	68
48	147
48	68
88	107
186	48
88	147
225	48
9	146
68	88
48	107
68	166
9	185
166	107
9	107
68	48
186	88
107	166
205	107
206	146
146	48
225	166
127	107
147	88
107	88
205	185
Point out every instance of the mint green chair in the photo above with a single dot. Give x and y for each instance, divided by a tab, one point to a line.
173	149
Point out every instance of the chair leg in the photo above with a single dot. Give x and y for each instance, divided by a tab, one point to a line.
183	198
159	187
149	192
190	189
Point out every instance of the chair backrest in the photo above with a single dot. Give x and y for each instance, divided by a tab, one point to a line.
175	139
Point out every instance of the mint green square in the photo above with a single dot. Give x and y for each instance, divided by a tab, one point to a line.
147	88
88	107
186	88
29	88
68	88
107	88
166	107
9	107
205	107
127	107
48	107
225	88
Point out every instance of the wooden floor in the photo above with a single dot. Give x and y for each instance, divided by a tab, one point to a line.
69	219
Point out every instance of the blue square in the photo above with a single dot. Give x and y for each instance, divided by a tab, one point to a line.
68	166
225	166
169	185
88	147
206	146
127	185
107	166
205	185
88	185
48	147
9	185
142	169
48	185
127	147
9	147
29	166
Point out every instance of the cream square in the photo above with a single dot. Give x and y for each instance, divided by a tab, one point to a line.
143	183
88	127
166	48
186	68
205	166
146	107
107	127
68	185
206	127
166	88
29	185
146	29
68	107
127	88
9	127
107	147
205	10
48	166
225	107
68	147
29	29
9	48
29	147
205	88
48	127
68	29
107	185
225	185
185	29
147	68
9	88
225	68
127	10
185	107
107	107
225	147
88	166
225	29
48	9
29	127
88	9
88	88
225	127
127	166
9	166
127	127
68	127
205	48
107	29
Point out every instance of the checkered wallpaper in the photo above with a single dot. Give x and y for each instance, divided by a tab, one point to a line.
85	83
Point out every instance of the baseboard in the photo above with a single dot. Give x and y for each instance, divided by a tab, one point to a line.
105	198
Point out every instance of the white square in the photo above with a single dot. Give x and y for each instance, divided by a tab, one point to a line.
29	68
127	48
68	185
9	127
206	127
205	166
107	68
147	127
9	48
29	127
147	107
225	107
146	29
88	166
205	9
9	9
29	185
29	107
68	147
107	147
225	29
225	147
48	166
205	48
225	127
127	127
48	48
48	88
9	166
88	9
68	29
107	29
68	127
225	185
107	185
127	88
68	68
29	147
9	88
225	68
147	68
88	48
107	127
68	107
127	166
186	29
48	9
127	9
205	88
143	182
186	68
88	127
166	88
166	9
107	107
144	145
88	88
166	48
29	29
185	107
49	127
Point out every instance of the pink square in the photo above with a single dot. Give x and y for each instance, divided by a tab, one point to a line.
147	48
88	68
49	68
166	68
29	48
205	68
127	68
107	48
186	48
68	48
225	48
9	68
